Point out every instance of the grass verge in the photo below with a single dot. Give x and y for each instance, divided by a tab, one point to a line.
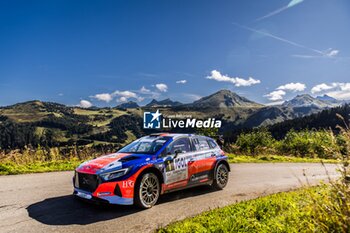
11	168
282	212
275	158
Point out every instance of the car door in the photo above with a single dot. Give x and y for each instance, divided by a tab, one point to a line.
202	160
176	162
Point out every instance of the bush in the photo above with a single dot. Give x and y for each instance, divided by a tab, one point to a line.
306	143
258	141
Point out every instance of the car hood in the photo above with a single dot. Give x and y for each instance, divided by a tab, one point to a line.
112	162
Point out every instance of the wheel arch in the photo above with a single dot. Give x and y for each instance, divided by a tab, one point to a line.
220	161
151	170
224	161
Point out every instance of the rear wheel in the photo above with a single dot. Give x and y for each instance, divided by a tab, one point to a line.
220	176
147	191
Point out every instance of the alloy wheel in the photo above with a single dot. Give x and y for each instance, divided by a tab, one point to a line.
149	189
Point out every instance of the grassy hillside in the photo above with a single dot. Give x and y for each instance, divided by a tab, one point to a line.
52	124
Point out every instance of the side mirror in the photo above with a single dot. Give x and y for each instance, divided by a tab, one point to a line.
177	152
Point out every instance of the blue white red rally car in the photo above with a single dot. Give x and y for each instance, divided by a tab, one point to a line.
150	166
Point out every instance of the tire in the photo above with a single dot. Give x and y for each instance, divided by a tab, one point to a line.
147	191
221	175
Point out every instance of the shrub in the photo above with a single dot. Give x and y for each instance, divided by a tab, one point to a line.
309	143
255	142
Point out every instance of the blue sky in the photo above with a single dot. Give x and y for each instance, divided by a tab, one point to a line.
106	52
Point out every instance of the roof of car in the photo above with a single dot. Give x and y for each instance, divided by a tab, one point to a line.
173	135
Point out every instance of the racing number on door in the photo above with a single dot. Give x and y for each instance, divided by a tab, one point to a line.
177	171
180	163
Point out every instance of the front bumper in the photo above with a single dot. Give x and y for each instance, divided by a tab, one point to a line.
108	199
90	187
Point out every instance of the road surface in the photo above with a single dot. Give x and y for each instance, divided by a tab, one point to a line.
43	202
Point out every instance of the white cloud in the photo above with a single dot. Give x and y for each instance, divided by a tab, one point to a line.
147	93
323	87
103	97
246	83
122	96
345	86
162	87
276	95
139	99
342	91
60	94
144	90
181	81
126	94
292	87
122	99
217	76
340	95
331	52
282	90
336	90
85	104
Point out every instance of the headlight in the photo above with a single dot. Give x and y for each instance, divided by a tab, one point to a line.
115	174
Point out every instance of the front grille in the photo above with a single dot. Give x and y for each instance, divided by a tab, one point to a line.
86	182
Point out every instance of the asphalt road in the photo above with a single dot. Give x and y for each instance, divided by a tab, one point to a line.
43	202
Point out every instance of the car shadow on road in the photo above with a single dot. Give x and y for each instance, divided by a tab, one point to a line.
68	210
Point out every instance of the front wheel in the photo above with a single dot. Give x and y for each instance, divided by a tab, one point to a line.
147	191
220	176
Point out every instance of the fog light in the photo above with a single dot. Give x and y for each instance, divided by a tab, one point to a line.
103	194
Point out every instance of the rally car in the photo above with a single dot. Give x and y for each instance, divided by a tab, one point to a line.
150	166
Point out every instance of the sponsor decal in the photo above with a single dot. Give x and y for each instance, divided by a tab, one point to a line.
128	184
155	120
196	178
176	170
152	120
86	181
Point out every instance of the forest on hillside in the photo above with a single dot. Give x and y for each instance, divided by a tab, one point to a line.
327	119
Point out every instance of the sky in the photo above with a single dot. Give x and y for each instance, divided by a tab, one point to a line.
103	53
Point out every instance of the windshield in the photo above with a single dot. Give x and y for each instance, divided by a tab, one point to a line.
145	145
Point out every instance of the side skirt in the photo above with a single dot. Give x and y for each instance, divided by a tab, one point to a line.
209	182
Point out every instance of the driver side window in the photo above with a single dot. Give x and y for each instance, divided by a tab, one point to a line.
182	145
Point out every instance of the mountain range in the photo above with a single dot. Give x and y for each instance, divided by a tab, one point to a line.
223	99
229	99
163	103
129	104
